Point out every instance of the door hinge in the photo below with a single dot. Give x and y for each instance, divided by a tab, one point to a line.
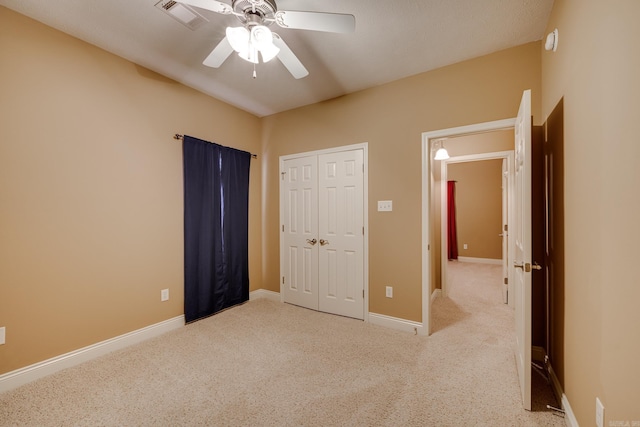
282	174
506	281
363	231
363	168
363	293
283	228
506	227
283	280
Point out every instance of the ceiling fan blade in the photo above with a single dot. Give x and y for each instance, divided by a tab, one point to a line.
289	59
219	54
317	21
212	5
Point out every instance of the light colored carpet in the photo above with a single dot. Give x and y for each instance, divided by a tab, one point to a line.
271	364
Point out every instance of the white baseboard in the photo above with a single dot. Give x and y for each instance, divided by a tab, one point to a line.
395	323
569	417
480	260
538	354
13	379
263	293
436	294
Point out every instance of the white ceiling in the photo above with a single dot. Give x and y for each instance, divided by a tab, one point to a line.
393	39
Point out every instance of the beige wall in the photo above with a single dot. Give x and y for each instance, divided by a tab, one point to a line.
595	71
391	118
91	191
478	207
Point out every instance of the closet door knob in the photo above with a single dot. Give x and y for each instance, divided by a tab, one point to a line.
313	242
323	242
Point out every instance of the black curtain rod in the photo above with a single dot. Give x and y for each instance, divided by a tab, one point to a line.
178	136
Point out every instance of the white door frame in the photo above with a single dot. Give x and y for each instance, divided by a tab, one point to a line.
444	208
427	185
365	148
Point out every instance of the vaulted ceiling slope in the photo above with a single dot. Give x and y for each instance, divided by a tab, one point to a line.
392	40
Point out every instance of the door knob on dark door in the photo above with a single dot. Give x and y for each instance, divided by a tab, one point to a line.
527	267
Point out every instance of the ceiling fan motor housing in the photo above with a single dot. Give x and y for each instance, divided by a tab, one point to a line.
255	12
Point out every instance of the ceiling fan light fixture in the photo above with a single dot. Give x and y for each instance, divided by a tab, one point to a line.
261	36
254	40
249	54
262	39
238	38
269	52
249	43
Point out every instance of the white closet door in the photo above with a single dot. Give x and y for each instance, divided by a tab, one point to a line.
300	229
341	233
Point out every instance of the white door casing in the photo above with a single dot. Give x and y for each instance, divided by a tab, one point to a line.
505	231
323	244
341	233
521	235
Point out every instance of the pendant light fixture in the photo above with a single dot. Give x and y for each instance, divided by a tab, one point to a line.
442	153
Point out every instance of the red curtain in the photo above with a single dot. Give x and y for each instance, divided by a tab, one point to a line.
452	236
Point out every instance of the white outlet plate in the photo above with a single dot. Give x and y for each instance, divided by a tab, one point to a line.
2	335
599	413
385	205
389	292
465	246
164	295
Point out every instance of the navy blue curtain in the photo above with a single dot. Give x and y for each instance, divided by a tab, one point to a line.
216	222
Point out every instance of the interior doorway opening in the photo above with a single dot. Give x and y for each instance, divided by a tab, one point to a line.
431	248
488	235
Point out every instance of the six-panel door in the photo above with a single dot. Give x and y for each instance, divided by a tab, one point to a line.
323	232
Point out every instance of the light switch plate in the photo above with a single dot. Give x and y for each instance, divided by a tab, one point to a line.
164	295
385	205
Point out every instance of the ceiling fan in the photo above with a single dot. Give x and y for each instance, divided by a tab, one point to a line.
254	36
